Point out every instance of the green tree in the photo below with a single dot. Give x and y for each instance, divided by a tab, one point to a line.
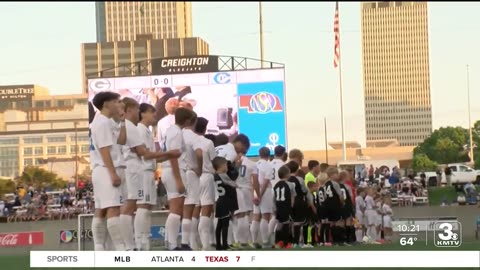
6	186
445	145
38	177
421	162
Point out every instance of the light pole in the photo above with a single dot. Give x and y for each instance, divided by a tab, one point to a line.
261	32
472	160
76	153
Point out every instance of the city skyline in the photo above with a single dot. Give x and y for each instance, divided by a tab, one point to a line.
36	56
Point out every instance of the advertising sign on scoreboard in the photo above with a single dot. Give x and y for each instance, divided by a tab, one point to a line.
251	102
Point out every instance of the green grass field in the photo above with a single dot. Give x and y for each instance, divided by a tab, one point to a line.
22	262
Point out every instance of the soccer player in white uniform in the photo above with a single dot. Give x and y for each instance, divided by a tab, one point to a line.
194	171
207	184
277	162
247	179
370	213
265	196
169	120
360	213
233	153
387	219
174	175
134	150
106	181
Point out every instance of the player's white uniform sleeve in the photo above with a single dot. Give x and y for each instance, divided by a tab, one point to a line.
211	150
252	167
292	189
103	137
133	137
159	133
175	143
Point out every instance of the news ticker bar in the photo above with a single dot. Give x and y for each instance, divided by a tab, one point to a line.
281	259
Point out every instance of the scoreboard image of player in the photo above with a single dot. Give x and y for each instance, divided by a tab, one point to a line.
244	101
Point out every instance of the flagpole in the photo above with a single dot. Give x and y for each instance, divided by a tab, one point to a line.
344	145
469	117
261	31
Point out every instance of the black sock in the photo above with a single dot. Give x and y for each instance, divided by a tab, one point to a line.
296	234
326	232
347	235
334	230
321	238
341	234
278	236
285	233
226	224
353	237
305	234
218	234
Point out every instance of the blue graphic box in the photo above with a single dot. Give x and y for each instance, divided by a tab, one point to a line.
261	114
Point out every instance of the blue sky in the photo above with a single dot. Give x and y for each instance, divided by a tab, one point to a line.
41	45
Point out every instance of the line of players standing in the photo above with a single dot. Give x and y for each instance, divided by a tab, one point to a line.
258	199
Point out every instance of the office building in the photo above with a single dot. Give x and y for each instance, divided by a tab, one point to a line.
126	21
37	129
396	75
102	59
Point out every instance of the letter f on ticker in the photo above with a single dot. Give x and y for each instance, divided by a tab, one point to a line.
253	258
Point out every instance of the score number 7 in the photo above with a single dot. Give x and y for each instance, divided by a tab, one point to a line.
238	258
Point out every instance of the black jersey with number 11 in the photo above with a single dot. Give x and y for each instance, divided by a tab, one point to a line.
283	200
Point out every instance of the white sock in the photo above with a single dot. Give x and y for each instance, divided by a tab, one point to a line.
127	231
379	235
230	238
186	230
271	229
247	231
213	240
99	231
244	230
109	244
172	226
204	229
115	231
146	230
236	229
264	231
359	235
254	227
139	225
194	234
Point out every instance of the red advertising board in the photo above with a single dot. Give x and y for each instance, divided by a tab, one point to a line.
18	239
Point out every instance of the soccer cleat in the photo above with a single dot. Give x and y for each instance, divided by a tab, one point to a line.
307	246
289	246
235	246
177	249
328	244
279	244
296	246
186	247
319	244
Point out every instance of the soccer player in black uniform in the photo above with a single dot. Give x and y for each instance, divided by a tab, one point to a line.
226	204
324	234
334	204
284	196
301	204
348	210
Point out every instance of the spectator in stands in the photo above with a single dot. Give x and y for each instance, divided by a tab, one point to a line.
423	179
2	207
448	176
371	172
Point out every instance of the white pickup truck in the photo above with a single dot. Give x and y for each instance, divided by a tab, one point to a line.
461	174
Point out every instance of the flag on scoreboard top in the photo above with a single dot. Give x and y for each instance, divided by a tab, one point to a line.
336	30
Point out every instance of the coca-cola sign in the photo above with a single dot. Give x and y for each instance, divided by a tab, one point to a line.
18	239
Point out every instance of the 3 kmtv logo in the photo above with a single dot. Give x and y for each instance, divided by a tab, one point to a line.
18	239
448	234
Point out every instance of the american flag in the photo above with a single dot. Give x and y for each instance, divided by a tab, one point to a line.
336	29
